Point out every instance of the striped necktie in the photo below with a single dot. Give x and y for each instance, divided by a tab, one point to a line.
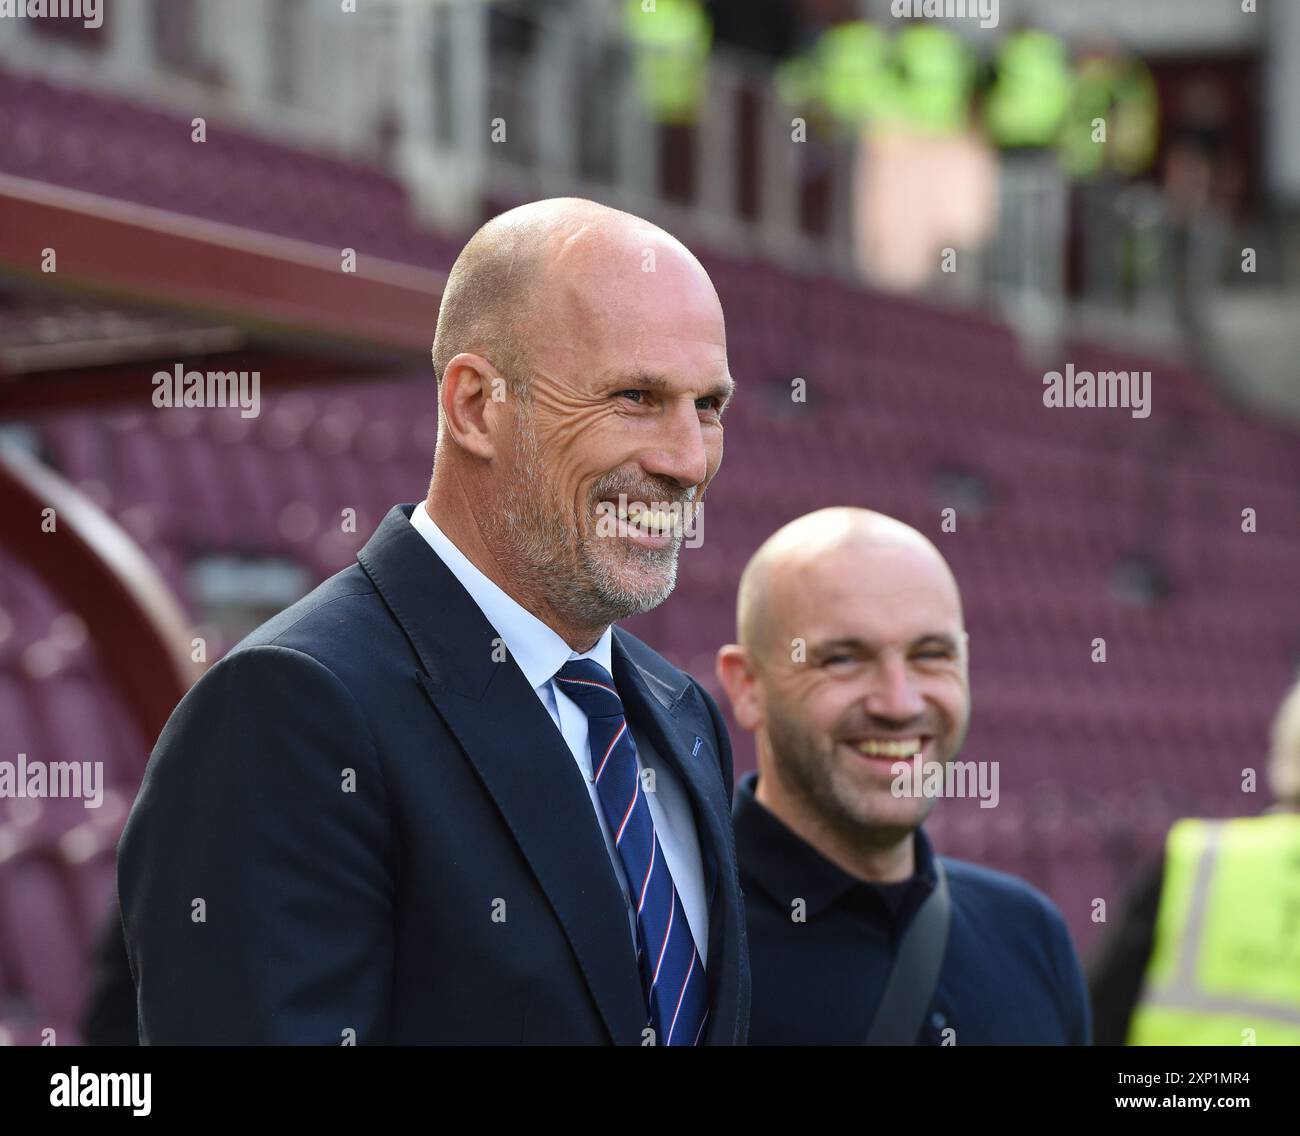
672	974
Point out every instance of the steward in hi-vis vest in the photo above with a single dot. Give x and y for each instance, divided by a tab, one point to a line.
1225	969
670	41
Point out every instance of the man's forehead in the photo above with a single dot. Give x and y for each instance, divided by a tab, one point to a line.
604	278
617	341
878	617
614	303
895	594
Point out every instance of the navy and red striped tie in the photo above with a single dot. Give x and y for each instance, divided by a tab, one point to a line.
672	974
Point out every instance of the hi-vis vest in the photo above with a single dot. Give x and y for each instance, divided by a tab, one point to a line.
848	72
671	41
922	79
1225	969
1032	91
1122	94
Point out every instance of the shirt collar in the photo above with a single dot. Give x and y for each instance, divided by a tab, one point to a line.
787	867
536	648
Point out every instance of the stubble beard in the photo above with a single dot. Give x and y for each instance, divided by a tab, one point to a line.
587	579
810	769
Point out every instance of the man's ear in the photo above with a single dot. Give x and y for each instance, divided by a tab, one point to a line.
735	670
469	402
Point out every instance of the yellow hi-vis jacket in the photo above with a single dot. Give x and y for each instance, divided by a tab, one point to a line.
847	72
671	41
1225	969
1032	91
1122	94
937	74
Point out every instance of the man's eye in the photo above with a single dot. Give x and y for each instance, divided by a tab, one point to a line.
636	394
711	402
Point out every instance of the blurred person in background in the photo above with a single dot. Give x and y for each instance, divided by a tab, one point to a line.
852	658
1204	184
1110	137
768	29
1208	949
1115	89
1030	93
670	42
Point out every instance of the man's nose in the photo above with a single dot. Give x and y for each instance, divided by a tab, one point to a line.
892	694
678	450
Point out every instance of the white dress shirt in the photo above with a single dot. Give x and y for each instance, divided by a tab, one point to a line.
540	652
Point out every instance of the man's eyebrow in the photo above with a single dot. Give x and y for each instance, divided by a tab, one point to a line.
659	384
850	643
847	643
942	638
723	391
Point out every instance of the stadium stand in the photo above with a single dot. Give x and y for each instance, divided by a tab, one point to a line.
910	410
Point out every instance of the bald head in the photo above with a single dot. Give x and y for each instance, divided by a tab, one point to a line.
852	657
540	271
611	340
830	548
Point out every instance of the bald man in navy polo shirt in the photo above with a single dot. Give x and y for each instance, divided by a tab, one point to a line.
853	658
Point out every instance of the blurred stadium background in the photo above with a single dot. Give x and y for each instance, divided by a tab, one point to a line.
916	218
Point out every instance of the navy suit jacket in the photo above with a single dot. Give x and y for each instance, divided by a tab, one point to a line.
361	825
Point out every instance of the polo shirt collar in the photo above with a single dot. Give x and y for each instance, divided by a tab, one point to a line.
787	866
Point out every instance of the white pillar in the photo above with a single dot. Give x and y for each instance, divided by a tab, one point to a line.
130	40
1282	103
780	170
716	157
415	74
636	140
469	67
444	177
240	32
555	78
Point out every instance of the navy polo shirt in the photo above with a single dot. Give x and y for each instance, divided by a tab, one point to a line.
1010	973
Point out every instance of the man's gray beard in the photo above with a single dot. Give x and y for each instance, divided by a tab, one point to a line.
590	593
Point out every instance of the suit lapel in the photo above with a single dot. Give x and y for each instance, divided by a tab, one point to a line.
520	757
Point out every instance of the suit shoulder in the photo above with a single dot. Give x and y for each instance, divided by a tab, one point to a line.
335	611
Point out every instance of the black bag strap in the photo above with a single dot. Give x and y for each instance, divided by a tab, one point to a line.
915	973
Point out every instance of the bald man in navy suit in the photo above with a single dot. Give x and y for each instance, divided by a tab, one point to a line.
443	798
